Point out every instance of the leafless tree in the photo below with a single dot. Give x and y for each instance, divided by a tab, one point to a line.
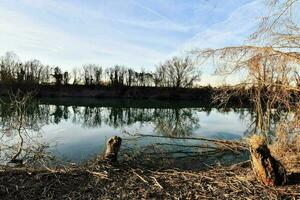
66	78
92	74
77	74
57	75
178	72
268	67
13	70
280	28
117	75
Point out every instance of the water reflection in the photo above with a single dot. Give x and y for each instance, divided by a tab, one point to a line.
80	127
175	121
20	131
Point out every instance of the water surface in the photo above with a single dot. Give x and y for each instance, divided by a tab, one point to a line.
76	129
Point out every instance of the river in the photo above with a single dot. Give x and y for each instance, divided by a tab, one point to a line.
76	130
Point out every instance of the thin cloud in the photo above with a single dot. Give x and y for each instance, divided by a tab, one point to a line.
71	33
22	34
233	30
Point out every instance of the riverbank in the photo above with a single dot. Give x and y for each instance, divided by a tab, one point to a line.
203	94
137	176
127	182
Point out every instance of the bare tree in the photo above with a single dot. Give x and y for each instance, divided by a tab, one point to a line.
280	28
9	63
13	70
98	73
117	75
45	76
66	78
268	71
269	68
178	72
88	74
92	74
77	74
130	77
58	76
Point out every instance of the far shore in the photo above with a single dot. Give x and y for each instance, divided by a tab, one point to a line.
201	94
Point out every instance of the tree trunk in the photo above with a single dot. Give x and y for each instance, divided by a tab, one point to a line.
267	169
112	149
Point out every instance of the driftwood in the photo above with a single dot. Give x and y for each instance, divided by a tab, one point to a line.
112	149
267	169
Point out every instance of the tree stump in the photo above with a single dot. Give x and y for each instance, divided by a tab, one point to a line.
267	169
112	149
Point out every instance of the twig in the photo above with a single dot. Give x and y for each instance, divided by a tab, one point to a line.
98	174
157	183
140	177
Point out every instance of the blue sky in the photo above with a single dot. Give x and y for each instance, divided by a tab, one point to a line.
136	33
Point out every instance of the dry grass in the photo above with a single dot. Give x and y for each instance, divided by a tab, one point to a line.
286	148
121	181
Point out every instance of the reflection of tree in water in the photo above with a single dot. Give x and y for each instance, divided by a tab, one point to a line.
35	114
167	121
57	114
250	116
274	117
21	122
92	117
116	117
175	122
66	112
181	121
120	117
85	116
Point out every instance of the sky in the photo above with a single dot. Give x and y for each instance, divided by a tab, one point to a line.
135	33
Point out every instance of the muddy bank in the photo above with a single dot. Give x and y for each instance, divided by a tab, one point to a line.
127	182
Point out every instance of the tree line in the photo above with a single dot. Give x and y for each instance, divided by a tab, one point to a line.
178	72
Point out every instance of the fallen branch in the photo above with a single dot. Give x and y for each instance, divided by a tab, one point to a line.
231	145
